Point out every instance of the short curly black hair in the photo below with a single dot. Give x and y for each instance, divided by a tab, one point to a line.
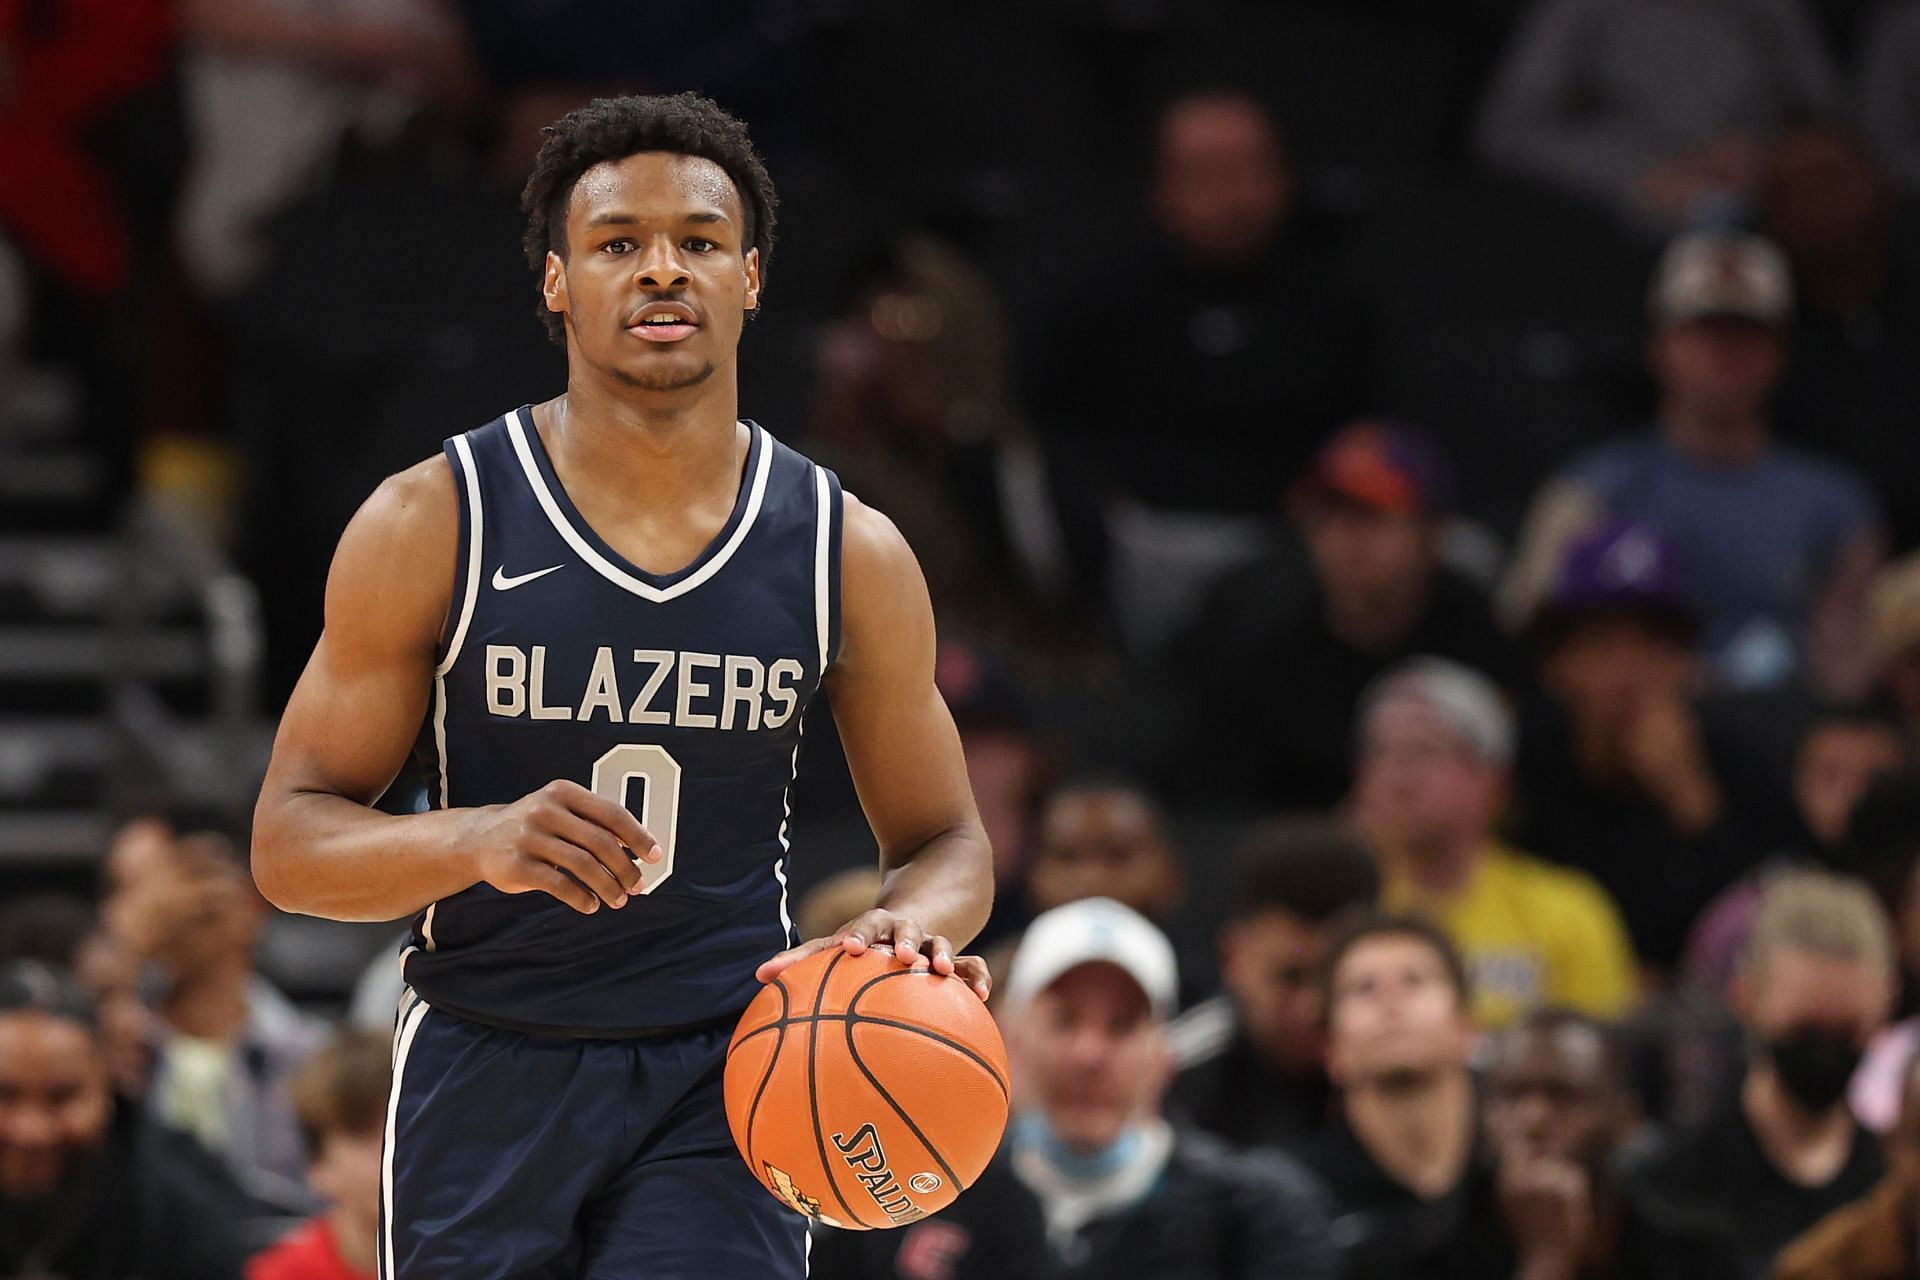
615	128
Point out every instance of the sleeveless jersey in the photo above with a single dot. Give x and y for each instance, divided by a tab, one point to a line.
681	696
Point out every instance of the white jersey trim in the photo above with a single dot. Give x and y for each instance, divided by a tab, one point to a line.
606	568
822	539
475	526
409	1025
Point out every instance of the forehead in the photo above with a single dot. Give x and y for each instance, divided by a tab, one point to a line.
38	1044
1572	1055
1797	981
1098	813
1386	953
1095	985
654	184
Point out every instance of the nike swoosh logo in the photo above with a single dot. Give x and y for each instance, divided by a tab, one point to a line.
501	582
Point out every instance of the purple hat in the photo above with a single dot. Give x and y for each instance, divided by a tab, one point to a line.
1621	567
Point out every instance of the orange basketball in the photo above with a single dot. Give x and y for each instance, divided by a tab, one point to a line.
864	1093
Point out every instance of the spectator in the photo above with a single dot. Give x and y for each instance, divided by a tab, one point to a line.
1558	1109
1815	985
1253	1061
1853	368
1370	590
1659	110
1615	773
275	87
340	1095
1780	546
1092	1181
1841	752
1889	103
1436	747
1105	840
1195	380
88	1189
914	405
230	1040
1411	1198
1873	1238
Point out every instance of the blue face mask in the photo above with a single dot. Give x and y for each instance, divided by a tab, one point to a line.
1030	1131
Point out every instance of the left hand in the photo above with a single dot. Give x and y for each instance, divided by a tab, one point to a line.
910	944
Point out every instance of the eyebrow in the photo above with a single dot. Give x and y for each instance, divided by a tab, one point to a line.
620	217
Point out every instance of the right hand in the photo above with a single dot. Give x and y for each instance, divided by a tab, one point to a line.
564	841
1548	1207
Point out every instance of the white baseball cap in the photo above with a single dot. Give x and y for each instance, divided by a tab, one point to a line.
1722	273
1090	930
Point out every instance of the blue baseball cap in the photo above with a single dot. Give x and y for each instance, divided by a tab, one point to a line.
1621	567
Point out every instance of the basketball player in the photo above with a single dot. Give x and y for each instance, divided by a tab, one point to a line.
600	622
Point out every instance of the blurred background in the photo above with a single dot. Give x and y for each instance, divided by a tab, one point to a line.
1218	358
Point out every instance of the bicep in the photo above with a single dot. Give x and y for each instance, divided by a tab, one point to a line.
360	702
901	744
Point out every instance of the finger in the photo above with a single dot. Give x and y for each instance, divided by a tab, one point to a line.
940	955
600	842
579	864
616	818
771	967
908	939
865	930
973	971
539	877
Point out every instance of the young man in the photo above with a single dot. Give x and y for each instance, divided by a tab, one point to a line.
602	619
1816	983
1410	1196
1253	1060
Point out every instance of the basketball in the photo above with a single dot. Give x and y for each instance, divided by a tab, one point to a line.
864	1093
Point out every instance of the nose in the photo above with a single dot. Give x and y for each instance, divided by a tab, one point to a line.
660	265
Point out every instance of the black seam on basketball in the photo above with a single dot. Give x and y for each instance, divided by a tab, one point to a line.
888	976
955	1045
813	1092
773	1060
853	1051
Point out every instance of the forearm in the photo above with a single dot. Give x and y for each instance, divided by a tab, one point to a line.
945	886
321	854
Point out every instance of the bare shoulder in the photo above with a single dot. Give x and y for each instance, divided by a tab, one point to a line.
394	565
883	595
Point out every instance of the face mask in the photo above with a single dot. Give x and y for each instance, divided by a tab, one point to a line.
1815	1065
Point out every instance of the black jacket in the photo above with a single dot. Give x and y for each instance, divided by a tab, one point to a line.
150	1204
1213	1215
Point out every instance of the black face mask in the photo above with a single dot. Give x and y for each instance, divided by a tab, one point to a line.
1815	1065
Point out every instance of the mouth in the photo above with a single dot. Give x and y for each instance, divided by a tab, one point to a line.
663	322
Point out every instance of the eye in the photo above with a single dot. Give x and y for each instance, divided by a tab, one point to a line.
617	246
702	246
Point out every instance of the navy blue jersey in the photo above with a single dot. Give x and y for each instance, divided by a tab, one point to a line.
680	695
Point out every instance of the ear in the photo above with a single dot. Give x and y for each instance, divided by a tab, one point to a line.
752	266
554	284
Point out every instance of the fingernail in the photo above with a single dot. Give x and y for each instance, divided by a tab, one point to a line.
620	901
655	854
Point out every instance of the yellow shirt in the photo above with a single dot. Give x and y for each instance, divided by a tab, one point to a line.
1531	934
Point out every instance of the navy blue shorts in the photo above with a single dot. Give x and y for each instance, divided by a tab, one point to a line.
515	1157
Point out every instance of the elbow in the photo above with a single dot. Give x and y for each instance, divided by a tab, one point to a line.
268	862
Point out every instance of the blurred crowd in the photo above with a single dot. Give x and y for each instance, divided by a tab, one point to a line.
1423	509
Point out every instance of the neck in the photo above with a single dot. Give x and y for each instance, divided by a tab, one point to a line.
212	1004
1441	865
1419	1128
1711	433
1376	622
356	1241
1807	1147
660	452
